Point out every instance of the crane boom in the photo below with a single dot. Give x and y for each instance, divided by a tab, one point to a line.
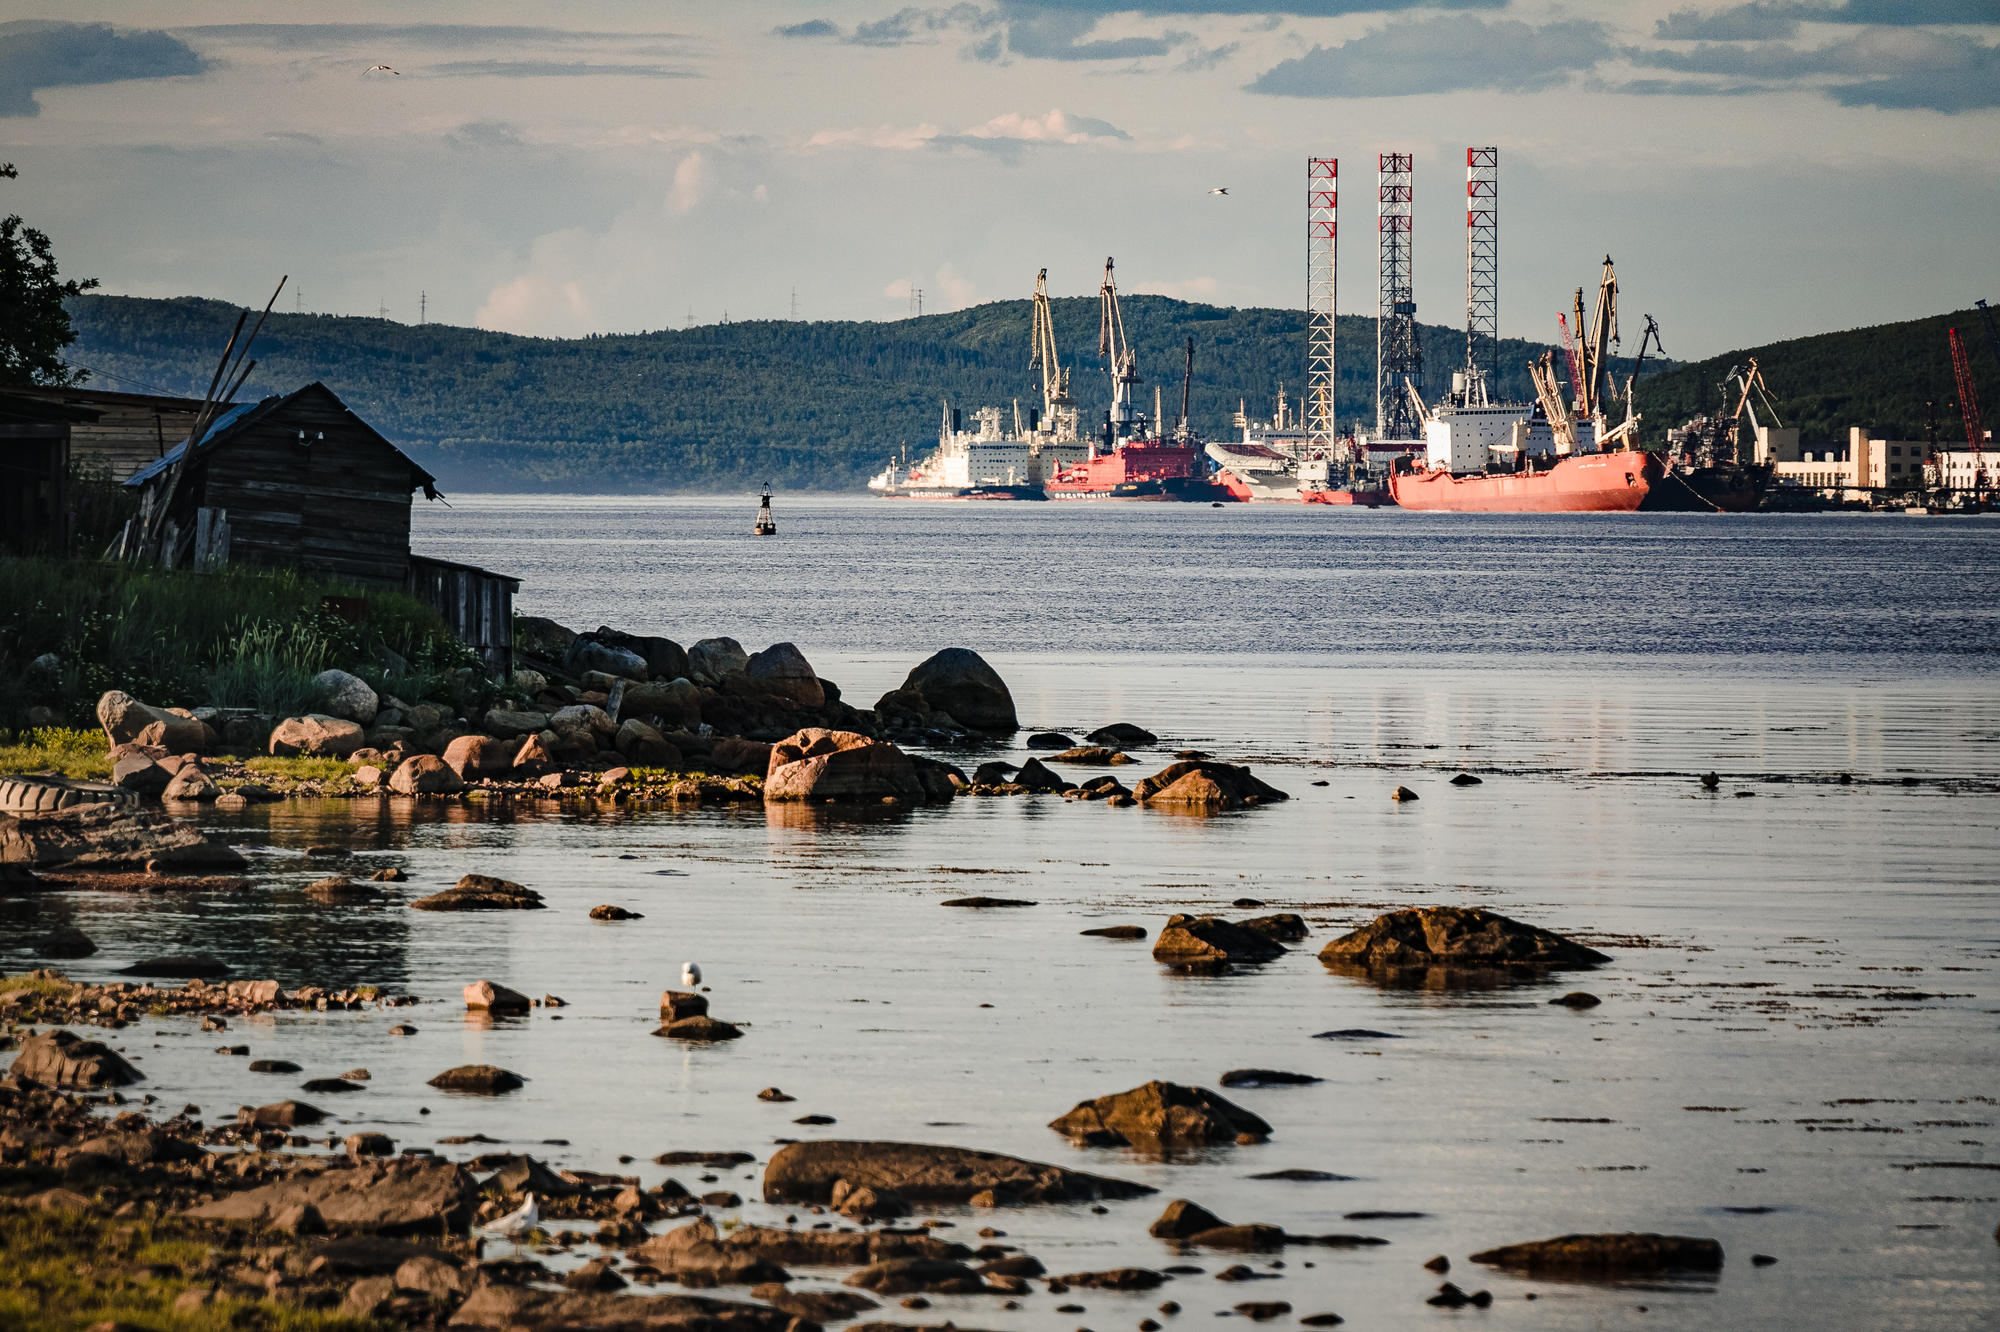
1569	350
1543	372
1112	345
1603	333
1968	407
1992	332
1058	408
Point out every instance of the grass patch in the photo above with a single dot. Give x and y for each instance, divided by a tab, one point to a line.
81	754
52	988
304	768
65	1271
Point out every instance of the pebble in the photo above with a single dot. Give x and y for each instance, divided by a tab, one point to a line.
1403	793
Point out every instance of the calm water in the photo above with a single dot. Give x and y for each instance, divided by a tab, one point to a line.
1766	948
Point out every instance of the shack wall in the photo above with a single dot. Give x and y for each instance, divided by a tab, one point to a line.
476	603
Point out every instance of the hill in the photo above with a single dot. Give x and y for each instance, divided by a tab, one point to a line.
805	406
1879	377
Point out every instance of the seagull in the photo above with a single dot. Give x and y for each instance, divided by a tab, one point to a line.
516	1224
1220	190
690	973
397	72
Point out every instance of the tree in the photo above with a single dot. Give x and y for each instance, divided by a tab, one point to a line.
34	325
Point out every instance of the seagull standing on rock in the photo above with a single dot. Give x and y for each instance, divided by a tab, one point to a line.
516	1224
690	973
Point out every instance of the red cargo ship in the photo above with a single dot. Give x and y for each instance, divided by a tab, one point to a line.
1141	469
1581	483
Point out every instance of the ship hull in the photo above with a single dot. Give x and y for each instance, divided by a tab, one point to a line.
967	493
1169	490
1728	488
1586	483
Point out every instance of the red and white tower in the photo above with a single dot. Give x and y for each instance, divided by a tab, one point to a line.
1399	357
1482	270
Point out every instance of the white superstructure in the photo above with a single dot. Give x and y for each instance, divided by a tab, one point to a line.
985	457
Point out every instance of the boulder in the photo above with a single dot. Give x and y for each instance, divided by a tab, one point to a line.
369	775
253	992
484	994
665	659
1183	1220
1208	940
283	1114
532	760
480	1079
675	701
587	654
1037	776
107	835
515	1175
698	1028
178	968
1283	925
815	1306
64	941
344	695
1627	1253
818	764
424	774
1088	755
806	1173
1205	783
63	1059
1159	1116
440	1278
409	1195
1117	1278
783	670
1050	740
739	757
712	658
1116	932
1471	937
504	725
585	719
125	719
141	776
906	1276
494	1304
1122	734
958	681
358	1145
609	912
475	756
1266	1077
542	636
482	892
993	773
316	733
701	1245
941	781
336	888
677	1004
645	747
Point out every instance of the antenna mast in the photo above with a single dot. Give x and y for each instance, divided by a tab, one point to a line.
1482	271
1322	275
1399	359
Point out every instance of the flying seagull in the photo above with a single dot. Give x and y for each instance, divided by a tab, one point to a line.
1223	190
397	72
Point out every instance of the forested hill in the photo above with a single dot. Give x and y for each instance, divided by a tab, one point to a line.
1878	377
812	406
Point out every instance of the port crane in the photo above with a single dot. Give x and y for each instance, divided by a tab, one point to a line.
1968	407
1058	408
1123	420
1596	337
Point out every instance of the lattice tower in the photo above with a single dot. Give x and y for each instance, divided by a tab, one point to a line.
1398	356
1322	272
1482	266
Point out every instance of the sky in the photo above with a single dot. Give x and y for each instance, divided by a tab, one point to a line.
1757	171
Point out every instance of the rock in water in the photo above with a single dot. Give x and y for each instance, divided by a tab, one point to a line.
1463	936
191	783
65	941
482	1079
1116	932
481	892
609	912
1283	925
1403	793
1122	733
806	1173
337	889
104	835
1211	940
1578	999
403	1196
1038	776
348	696
1050	740
1629	1252
424	774
63	1059
1183	1220
1203	782
283	1114
989	902
178	968
698	1028
783	670
484	994
958	681
818	764
1266	1077
1159	1116
1466	779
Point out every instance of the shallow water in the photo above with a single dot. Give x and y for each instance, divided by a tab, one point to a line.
1760	942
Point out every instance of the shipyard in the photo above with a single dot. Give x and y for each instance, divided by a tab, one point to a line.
778	671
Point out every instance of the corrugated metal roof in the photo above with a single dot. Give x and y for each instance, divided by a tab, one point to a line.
227	421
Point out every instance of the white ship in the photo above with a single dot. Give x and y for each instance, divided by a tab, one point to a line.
1276	462
990	463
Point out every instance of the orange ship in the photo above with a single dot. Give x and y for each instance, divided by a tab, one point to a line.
1580	483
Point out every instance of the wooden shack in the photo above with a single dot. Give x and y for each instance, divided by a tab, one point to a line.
35	441
301	482
125	432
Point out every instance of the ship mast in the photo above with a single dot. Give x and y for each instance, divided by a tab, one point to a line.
1117	351
1058	408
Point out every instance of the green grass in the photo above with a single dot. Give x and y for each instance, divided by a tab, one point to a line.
80	754
53	989
302	769
61	1274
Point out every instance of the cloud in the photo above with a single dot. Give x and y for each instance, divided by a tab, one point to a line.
1004	134
810	28
485	134
953	291
1753	22
1204	58
535	301
1301	8
693	179
542	69
1441	55
1765	20
1058	126
35	55
1897	69
404	36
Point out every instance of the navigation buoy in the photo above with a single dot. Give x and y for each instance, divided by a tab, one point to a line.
766	525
